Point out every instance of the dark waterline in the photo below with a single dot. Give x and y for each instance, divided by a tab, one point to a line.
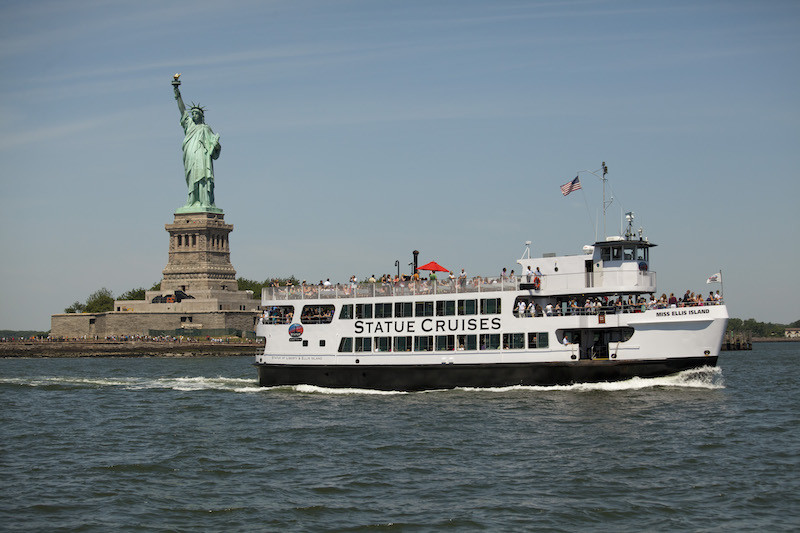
193	444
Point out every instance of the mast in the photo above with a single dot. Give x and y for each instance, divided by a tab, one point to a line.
606	205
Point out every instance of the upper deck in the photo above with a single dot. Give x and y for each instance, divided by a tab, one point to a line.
629	282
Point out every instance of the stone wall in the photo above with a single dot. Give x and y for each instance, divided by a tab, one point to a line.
78	325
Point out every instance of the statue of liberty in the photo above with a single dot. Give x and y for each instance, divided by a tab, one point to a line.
200	148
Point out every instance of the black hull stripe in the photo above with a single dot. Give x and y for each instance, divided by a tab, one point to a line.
428	377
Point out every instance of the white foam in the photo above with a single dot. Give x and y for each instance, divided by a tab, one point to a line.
701	378
180	383
328	390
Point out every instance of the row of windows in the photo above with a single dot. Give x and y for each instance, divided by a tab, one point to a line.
444	343
627	253
488	306
214	241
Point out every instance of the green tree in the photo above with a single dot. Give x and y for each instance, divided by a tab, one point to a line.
133	294
100	301
76	307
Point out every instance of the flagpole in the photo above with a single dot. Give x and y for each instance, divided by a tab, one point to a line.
721	286
602	178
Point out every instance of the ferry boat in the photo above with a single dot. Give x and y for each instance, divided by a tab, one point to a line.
567	319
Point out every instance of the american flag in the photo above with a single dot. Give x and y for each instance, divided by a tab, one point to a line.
570	186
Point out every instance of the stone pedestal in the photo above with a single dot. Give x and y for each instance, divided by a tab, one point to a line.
199	255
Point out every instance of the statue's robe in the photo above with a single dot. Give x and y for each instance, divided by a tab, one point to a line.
200	148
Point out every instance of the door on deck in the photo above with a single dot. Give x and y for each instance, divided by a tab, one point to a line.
589	273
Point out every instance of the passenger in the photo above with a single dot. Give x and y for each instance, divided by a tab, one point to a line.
548	309
673	300
521	308
503	274
538	272
529	274
462	278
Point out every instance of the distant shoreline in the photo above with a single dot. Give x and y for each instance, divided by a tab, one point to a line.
135	348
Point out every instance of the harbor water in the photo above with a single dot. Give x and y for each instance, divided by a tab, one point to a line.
183	444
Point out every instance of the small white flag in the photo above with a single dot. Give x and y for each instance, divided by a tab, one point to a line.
715	278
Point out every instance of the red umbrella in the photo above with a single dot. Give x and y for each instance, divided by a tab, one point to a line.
433	265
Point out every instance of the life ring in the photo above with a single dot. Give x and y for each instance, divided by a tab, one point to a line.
537	283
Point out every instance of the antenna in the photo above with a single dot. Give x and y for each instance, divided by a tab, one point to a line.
527	253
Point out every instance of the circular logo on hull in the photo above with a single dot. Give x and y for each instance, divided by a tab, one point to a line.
295	330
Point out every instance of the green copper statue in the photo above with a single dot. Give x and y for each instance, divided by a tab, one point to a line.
200	148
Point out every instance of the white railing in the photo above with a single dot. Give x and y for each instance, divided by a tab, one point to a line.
550	285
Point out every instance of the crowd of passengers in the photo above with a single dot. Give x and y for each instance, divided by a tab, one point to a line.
277	315
420	283
621	304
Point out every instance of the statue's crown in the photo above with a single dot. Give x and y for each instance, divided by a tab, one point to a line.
198	107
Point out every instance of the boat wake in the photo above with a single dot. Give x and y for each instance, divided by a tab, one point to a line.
707	377
179	384
700	378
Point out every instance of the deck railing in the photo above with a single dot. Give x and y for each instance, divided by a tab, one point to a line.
573	282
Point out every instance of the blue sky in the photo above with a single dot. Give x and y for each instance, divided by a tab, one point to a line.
354	132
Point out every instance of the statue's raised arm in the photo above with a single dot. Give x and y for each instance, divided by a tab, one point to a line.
200	148
176	83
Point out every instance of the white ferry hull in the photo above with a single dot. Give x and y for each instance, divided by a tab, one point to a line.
449	376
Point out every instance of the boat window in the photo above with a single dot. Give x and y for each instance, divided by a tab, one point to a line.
317	314
346	344
468	307
628	253
529	307
537	340
403	309
616	253
279	314
446	308
363	310
490	306
513	341
445	343
383	310
490	341
620	334
346	312
467	342
641	253
363	344
383	344
605	254
423	343
424	309
402	344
